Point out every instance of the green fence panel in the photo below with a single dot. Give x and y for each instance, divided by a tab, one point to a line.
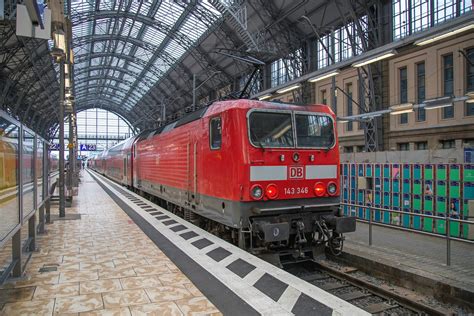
417	170
396	185
378	203
428	210
386	170
387	205
417	187
455	213
378	170
455	189
417	208
441	188
406	207
406	186
369	170
441	172
468	173
360	201
406	171
386	185
455	172
441	211
428	172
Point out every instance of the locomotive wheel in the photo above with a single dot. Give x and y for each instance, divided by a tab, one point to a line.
336	244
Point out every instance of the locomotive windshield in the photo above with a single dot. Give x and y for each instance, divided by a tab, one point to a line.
271	129
314	131
275	130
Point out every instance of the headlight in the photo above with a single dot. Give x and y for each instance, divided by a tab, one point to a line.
256	192
319	189
271	191
332	188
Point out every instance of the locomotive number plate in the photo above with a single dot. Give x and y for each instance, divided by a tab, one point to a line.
297	190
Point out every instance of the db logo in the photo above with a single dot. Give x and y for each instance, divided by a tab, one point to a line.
296	173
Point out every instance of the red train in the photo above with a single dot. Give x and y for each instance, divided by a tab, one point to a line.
264	175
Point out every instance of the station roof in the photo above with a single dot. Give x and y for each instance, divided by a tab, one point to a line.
132	56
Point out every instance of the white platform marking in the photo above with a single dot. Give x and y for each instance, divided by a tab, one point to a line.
242	287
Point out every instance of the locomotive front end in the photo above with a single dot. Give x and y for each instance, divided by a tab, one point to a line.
294	190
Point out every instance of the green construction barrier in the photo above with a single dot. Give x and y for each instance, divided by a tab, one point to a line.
369	170
455	172
455	189
428	210
417	187
378	170
441	188
441	172
440	211
417	208
468	173
360	201
406	208
406	171
417	170
386	185
454	212
378	203
387	205
406	186
386	170
396	185
428	172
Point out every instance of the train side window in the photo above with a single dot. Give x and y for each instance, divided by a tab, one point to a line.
215	133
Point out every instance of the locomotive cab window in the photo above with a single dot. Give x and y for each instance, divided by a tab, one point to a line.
271	129
314	131
215	133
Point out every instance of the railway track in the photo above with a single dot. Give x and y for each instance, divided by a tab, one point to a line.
374	298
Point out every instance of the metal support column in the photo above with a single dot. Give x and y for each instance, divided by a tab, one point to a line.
71	160
16	255
62	202
32	233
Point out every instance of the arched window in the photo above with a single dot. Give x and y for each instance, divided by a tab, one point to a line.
99	129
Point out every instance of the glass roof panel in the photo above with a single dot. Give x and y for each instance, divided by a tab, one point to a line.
142	62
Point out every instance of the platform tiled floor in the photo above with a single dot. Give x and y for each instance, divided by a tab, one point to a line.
102	264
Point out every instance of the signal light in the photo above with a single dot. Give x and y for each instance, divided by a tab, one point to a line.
271	191
332	188
319	189
256	192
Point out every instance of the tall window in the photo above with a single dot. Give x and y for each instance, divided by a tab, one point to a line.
287	68
403	93
411	16
99	128
448	84
420	91
349	105
324	97
470	79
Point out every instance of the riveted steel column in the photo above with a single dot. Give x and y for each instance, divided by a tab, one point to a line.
62	202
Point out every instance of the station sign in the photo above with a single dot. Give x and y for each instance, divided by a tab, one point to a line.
87	147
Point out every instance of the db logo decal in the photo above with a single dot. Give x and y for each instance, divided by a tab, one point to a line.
296	173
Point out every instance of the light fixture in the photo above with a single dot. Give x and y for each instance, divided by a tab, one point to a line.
60	40
265	96
436	38
401	108
438	103
374	58
67	82
66	69
324	76
289	88
470	96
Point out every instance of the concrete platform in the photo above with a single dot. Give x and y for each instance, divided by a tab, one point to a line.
125	255
414	261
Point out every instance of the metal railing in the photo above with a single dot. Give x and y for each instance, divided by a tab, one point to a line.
447	221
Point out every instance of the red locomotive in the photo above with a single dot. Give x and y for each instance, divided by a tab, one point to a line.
264	175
